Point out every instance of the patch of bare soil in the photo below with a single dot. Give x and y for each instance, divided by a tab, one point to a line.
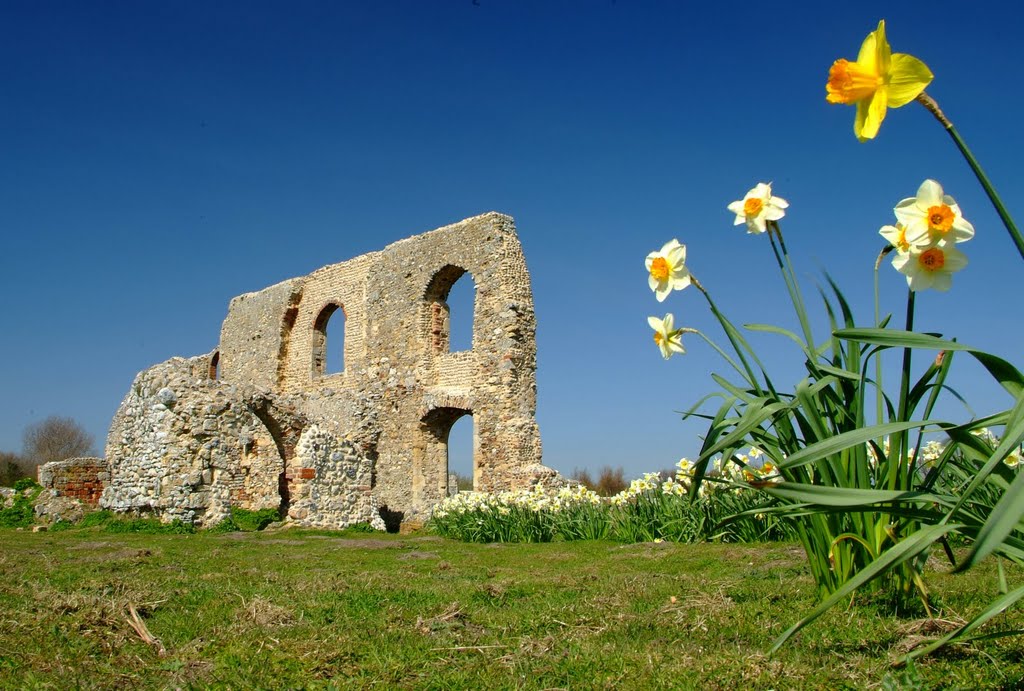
100	554
368	543
92	544
417	554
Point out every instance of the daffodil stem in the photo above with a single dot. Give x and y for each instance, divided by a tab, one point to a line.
717	348
929	103
879	391
730	332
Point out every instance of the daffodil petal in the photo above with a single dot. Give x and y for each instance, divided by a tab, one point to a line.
891	235
868	55
654	323
882	49
955	259
964	229
908	77
941	281
869	116
900	260
929	194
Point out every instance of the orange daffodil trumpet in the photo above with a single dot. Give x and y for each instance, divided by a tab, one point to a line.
667	270
667	339
931	216
928	228
758	207
877	80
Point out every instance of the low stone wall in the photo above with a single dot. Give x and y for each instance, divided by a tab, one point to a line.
77	478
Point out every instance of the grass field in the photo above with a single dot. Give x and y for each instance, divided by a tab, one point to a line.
333	610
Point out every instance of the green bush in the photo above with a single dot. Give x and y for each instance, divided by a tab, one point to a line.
25	483
251	521
19	515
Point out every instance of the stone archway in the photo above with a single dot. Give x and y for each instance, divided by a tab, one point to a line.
285	427
430	455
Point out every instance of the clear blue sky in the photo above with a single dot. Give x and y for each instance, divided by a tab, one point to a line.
157	159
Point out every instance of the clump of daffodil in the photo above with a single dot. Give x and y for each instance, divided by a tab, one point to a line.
668	339
932	216
877	80
928	227
758	207
667	269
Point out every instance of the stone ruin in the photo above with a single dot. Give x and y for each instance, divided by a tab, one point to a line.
260	423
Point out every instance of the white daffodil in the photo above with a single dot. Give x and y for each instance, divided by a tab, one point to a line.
758	207
668	340
932	216
1013	459
896	236
667	269
930	268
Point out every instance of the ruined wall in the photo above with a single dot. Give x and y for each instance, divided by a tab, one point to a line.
262	422
77	478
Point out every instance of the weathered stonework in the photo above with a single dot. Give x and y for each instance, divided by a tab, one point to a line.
259	423
78	478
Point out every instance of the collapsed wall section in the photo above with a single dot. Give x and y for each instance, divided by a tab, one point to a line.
184	446
76	478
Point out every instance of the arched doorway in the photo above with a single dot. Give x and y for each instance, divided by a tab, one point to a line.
430	476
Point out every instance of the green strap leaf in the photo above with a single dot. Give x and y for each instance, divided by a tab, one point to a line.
827	447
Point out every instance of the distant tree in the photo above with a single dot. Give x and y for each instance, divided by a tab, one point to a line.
464	482
55	439
12	468
611	481
583	477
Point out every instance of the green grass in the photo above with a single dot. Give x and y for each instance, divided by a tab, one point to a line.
314	609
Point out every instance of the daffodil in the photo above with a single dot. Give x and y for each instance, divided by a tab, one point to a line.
932	267
667	269
932	216
896	236
757	208
667	339
879	79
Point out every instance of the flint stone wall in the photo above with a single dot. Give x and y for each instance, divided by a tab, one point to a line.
259	423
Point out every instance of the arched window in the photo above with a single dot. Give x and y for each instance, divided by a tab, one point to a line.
215	365
329	349
451	301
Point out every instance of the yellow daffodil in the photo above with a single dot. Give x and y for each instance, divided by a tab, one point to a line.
879	79
932	216
932	267
757	208
667	269
667	339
